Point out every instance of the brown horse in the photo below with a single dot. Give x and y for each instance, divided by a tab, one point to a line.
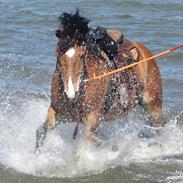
75	97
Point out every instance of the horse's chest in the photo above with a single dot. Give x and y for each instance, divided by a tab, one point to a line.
69	112
121	97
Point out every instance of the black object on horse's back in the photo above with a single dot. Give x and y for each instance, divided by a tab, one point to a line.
99	41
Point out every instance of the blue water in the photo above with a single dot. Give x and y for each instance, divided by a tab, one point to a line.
27	62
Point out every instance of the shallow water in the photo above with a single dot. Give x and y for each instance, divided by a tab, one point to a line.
127	150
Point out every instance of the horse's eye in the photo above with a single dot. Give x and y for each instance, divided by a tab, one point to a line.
82	56
58	33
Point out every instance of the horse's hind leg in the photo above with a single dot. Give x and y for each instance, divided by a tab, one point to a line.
154	110
152	101
43	129
149	74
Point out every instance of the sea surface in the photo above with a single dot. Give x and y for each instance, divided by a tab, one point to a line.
127	151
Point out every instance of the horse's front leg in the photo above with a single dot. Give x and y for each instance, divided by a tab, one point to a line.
91	122
45	127
51	115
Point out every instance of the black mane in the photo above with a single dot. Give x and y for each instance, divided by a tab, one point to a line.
72	23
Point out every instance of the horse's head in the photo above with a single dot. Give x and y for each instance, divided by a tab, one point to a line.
70	49
72	67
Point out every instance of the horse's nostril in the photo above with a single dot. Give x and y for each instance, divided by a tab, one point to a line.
65	94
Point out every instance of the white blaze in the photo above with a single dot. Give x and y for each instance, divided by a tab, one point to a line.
70	53
71	91
78	83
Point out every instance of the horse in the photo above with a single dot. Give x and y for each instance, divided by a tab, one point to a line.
83	52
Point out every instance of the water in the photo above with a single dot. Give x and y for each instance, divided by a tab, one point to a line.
127	150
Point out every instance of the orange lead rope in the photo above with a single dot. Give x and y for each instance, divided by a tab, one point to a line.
139	62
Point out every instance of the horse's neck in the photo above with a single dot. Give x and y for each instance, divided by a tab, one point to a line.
95	66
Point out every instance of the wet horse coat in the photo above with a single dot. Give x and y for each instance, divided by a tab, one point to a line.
77	98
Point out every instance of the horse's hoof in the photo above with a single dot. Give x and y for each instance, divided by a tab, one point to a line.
38	144
37	148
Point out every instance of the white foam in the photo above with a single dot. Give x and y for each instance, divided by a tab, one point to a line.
61	156
175	177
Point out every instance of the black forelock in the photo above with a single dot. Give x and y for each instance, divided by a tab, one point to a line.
71	23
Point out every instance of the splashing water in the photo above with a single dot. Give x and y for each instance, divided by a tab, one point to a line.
118	144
